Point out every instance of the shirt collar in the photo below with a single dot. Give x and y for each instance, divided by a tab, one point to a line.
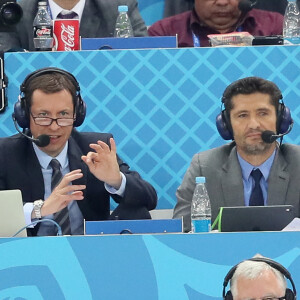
44	159
56	9
265	167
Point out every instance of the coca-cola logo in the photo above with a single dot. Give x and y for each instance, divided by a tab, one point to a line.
43	32
67	36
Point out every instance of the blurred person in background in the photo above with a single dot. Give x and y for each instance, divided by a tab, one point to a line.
97	19
217	17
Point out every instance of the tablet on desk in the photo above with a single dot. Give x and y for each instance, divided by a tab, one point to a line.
254	218
12	216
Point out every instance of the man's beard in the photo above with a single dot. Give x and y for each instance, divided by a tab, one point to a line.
256	149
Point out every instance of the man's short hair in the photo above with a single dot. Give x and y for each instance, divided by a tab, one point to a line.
250	85
253	269
50	83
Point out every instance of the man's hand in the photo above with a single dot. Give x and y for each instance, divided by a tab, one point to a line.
63	194
103	163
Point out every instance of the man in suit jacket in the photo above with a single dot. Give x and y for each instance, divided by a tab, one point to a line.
92	172
252	105
97	19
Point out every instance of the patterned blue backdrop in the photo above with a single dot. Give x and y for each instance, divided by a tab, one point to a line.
135	267
151	11
160	104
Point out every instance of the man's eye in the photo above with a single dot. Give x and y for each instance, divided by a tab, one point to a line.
242	116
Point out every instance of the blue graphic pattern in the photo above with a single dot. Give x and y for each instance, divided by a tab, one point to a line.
151	11
149	267
160	104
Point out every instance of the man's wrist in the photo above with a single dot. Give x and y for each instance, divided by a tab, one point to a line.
121	189
37	208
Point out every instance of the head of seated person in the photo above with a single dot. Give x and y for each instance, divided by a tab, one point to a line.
258	278
217	17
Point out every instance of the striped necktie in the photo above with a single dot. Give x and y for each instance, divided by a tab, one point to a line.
70	15
256	198
60	217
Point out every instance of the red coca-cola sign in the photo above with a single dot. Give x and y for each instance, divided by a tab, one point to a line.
66	35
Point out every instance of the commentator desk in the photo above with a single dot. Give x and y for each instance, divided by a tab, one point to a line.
148	267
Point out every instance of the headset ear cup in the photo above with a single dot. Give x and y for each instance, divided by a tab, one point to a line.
289	295
222	126
284	119
21	115
80	112
228	296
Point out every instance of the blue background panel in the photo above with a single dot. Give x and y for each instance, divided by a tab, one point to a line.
148	267
160	104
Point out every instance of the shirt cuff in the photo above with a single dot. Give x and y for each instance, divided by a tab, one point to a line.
28	208
121	190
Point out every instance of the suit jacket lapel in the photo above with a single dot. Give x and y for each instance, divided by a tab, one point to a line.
278	180
75	162
34	173
92	20
232	183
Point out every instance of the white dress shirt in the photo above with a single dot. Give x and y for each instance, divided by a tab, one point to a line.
56	9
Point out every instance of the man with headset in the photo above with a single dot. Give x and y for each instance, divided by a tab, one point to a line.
48	109
253	114
259	278
217	17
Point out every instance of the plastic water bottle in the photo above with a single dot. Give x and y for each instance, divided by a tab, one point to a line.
123	26
200	209
291	23
43	29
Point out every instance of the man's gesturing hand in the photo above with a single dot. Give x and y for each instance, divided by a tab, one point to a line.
103	163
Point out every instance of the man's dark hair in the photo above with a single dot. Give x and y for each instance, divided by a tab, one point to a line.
250	85
50	83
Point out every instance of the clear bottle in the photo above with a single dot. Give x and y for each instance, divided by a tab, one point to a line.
291	23
43	29
123	26
200	208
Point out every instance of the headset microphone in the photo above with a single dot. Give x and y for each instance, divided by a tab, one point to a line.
246	5
269	136
41	141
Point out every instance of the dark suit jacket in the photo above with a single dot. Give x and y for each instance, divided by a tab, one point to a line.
98	20
20	169
224	181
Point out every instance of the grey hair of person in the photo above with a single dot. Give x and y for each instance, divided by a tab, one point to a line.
252	270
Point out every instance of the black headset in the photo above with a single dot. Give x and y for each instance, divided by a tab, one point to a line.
21	109
289	294
284	120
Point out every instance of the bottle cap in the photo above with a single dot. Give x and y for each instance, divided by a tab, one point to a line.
123	8
200	179
42	3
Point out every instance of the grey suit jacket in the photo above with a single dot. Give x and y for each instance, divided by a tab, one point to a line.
224	182
98	20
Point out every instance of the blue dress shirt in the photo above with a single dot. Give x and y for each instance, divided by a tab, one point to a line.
248	181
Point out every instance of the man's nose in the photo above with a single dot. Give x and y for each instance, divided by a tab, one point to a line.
253	122
54	125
